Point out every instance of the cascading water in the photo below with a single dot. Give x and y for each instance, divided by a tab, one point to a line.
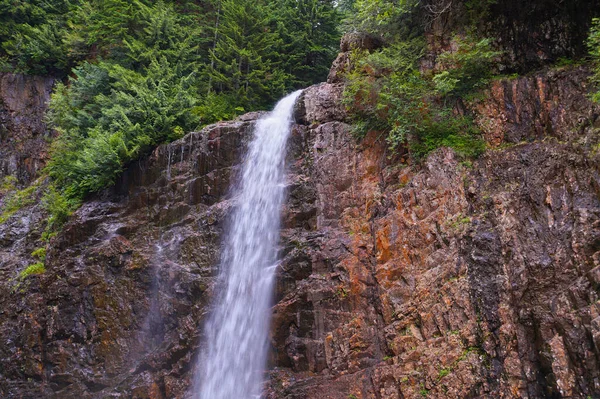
232	365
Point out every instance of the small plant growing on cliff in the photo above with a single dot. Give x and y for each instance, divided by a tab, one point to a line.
19	199
444	372
593	43
35	268
342	293
8	184
59	208
40	253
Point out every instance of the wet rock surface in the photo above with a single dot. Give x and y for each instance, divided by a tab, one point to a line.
23	133
447	279
119	309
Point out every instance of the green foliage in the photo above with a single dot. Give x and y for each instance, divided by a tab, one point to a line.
467	68
37	49
16	200
102	26
59	209
141	73
31	34
244	60
216	107
309	30
444	129
35	268
9	183
40	253
593	43
444	372
389	19
387	92
416	109
111	115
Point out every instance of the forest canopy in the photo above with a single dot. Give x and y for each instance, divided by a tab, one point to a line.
135	74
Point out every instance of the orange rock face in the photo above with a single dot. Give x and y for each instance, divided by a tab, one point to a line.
448	280
444	279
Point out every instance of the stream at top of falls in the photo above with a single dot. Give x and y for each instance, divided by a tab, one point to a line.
232	363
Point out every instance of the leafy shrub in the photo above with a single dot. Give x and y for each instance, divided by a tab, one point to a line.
16	200
593	43
217	107
468	68
40	253
59	209
35	268
387	92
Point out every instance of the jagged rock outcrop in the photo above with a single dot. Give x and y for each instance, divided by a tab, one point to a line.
351	41
445	279
449	280
119	309
23	133
549	103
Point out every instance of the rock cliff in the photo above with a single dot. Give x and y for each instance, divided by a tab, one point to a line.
446	279
23	133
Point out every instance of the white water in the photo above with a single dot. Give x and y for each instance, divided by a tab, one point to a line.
232	365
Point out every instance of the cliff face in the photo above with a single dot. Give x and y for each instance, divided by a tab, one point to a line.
530	34
23	133
445	279
448	279
117	314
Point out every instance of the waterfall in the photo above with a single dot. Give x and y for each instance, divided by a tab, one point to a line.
232	364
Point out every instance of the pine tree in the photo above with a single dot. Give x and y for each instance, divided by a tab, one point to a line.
309	29
244	61
31	35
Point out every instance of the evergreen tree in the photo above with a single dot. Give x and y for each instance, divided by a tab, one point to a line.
309	29
244	60
31	35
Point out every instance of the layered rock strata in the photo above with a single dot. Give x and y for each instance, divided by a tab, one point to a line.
23	133
446	279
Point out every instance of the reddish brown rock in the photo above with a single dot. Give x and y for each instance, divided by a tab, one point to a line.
444	279
23	133
547	104
448	281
